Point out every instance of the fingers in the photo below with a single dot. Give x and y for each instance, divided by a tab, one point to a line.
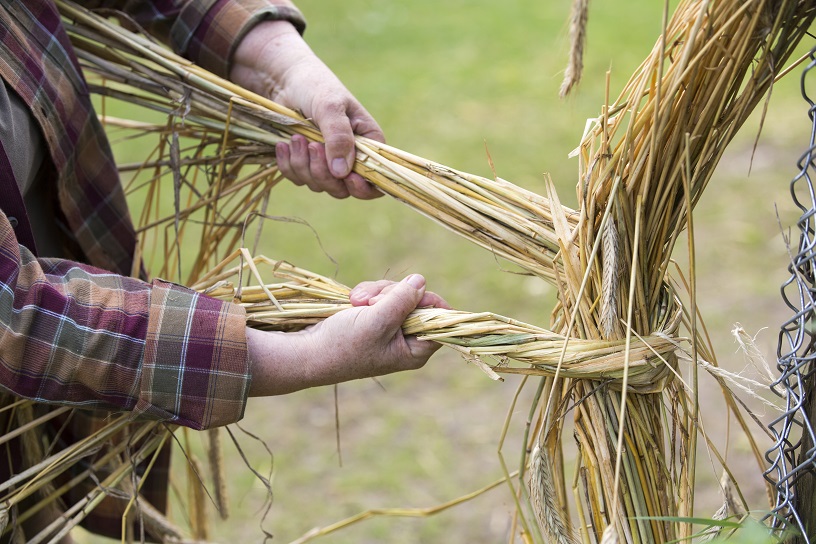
394	303
361	189
332	120
432	300
370	292
339	121
421	350
304	163
328	167
365	291
363	123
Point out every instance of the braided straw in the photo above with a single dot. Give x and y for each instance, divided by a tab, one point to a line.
303	298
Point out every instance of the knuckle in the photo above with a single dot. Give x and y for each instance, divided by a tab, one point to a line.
332	105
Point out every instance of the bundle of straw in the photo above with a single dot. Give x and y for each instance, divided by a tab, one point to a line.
301	298
643	167
38	488
243	127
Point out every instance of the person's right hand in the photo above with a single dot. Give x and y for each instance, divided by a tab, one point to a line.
361	342
274	61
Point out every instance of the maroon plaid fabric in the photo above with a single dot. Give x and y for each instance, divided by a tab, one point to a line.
205	31
78	335
86	335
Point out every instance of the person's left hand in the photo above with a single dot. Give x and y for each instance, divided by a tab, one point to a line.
359	342
368	293
274	61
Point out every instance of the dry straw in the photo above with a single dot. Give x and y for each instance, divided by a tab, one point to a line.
609	356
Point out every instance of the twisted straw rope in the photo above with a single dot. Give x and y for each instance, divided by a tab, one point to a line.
301	298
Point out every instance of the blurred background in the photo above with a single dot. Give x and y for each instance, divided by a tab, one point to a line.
450	81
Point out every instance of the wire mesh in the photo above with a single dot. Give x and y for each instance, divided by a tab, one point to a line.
793	454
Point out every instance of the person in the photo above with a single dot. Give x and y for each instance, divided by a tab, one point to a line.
75	329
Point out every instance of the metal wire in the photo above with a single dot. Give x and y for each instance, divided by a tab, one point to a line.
793	431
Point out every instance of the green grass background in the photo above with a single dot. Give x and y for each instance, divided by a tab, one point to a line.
446	80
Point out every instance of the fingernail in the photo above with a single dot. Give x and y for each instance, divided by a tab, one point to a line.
415	280
339	167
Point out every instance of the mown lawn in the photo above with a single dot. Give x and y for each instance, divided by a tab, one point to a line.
446	81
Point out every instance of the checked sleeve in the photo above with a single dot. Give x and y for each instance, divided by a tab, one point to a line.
208	32
76	335
204	31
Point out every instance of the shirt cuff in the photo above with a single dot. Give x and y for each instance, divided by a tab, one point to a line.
195	370
208	31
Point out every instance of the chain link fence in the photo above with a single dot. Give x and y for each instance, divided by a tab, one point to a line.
793	455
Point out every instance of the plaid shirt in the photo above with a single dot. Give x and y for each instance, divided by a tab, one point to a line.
178	355
86	334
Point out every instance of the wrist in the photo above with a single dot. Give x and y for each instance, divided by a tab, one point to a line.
279	362
264	55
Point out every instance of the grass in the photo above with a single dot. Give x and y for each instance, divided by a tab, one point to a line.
441	82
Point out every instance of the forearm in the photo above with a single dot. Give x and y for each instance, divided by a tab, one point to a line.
285	362
277	363
260	62
72	334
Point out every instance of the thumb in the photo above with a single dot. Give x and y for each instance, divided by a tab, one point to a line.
332	119
394	305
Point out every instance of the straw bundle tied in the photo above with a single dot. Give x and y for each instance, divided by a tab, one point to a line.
610	353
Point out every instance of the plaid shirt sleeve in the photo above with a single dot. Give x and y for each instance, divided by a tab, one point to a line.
208	32
205	31
161	350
